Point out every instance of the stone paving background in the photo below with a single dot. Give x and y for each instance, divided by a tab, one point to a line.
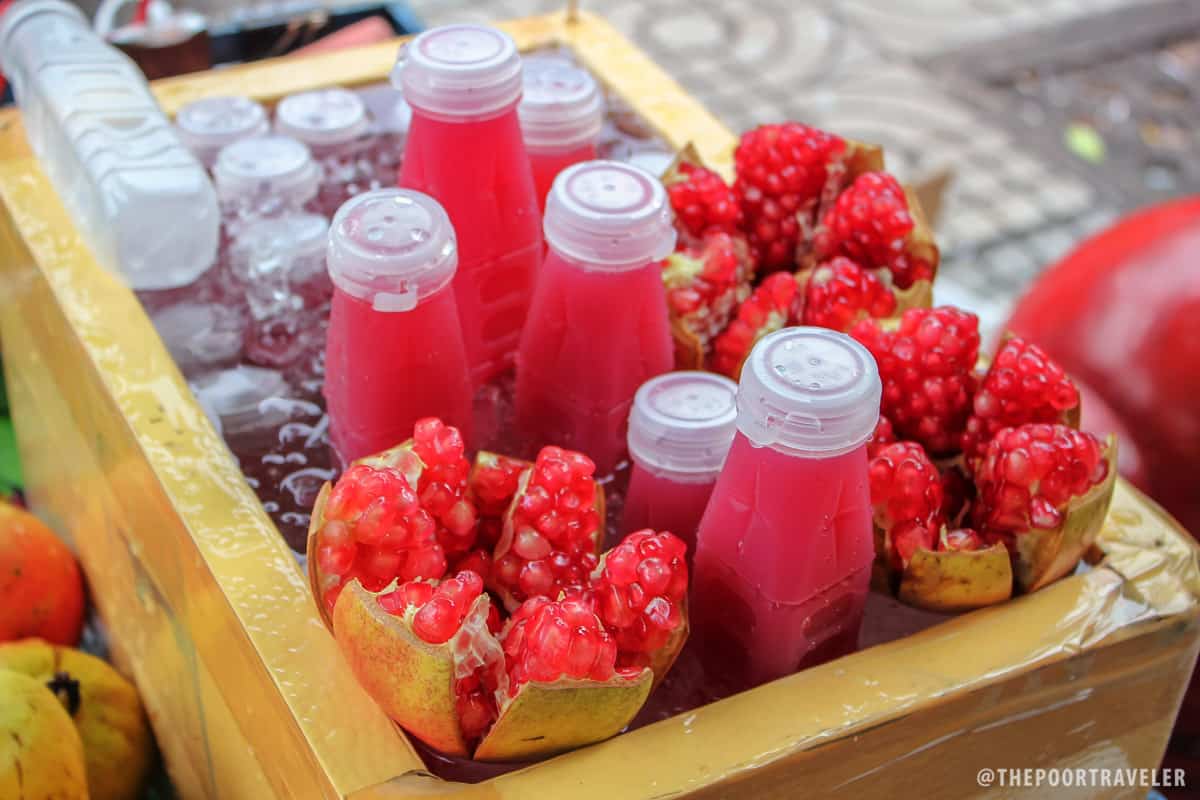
875	70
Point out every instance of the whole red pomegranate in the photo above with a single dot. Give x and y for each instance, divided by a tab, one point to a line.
1122	315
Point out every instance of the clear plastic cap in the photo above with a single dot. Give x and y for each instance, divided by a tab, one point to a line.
276	165
609	216
460	71
812	390
205	126
562	106
682	423
391	247
322	118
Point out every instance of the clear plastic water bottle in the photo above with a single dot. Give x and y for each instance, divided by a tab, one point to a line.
143	202
264	177
280	265
207	125
334	124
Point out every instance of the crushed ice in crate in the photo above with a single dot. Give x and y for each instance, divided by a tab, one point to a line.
200	335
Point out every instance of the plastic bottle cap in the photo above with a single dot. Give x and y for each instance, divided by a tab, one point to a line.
809	389
392	247
682	423
277	165
460	71
322	118
561	107
205	126
19	12
609	216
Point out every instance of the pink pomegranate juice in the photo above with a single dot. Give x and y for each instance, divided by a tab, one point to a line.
593	337
384	372
665	503
465	150
784	551
782	577
394	351
546	165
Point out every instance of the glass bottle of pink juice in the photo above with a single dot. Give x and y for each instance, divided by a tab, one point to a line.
680	429
598	324
562	113
394	352
784	551
465	149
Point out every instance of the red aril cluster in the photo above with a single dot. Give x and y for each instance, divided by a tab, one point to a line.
840	293
638	593
906	494
551	533
376	530
770	307
1027	475
547	640
702	201
492	485
783	173
440	609
870	222
442	487
1023	385
927	364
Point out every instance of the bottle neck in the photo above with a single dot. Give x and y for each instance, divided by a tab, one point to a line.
462	119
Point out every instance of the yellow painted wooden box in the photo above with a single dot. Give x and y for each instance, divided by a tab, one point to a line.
210	614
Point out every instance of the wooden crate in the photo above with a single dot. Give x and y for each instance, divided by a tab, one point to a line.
210	614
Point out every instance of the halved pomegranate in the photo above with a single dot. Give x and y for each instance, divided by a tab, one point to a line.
1044	491
555	676
839	293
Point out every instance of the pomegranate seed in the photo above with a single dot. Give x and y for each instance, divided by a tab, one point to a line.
906	494
769	308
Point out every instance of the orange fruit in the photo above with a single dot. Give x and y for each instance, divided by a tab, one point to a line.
41	590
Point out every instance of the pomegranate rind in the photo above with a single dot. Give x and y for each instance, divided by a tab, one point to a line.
1043	556
920	244
509	602
411	679
544	719
957	580
315	522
